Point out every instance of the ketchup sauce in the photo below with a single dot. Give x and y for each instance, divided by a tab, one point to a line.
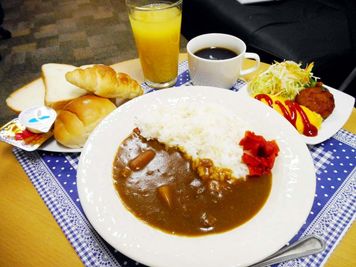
291	113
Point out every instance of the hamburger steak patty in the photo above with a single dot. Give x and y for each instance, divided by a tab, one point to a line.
317	99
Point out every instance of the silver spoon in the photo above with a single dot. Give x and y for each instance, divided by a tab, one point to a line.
305	246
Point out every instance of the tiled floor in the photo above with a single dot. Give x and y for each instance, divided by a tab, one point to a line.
75	32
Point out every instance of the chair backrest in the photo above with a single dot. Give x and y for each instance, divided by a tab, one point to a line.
1	14
349	79
350	11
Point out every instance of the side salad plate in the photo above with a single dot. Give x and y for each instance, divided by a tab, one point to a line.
315	110
344	104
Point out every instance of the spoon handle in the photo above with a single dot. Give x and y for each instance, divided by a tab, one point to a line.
305	246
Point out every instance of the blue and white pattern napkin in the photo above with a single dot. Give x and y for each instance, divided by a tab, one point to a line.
333	211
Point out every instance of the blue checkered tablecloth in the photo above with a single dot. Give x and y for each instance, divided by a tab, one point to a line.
333	211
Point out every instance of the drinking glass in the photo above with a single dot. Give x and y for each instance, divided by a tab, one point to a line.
156	28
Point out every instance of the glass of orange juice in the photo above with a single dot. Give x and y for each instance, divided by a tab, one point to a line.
156	28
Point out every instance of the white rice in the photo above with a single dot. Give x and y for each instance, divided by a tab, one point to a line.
202	131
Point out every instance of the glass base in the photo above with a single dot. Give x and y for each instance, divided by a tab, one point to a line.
161	85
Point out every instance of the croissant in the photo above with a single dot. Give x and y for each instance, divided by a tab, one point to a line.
103	81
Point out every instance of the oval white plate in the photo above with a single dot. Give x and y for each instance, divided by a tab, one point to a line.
344	104
277	222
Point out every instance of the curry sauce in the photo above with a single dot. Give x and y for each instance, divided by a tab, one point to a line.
158	185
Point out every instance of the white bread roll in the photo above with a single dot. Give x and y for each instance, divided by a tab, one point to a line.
78	119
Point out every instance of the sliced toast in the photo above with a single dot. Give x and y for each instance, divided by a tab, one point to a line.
29	95
33	94
58	91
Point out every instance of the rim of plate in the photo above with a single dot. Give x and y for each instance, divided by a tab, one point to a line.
281	217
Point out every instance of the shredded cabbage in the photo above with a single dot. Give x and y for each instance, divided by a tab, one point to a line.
285	79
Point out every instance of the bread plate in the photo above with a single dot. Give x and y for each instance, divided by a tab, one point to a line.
53	146
344	104
281	217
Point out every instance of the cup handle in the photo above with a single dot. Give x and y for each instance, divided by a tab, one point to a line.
255	67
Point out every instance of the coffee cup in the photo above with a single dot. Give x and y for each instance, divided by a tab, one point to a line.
215	59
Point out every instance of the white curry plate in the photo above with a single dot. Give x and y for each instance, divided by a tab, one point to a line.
275	224
344	104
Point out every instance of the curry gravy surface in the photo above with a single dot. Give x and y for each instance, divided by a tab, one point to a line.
167	194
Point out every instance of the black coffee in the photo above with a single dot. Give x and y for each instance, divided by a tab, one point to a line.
215	53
